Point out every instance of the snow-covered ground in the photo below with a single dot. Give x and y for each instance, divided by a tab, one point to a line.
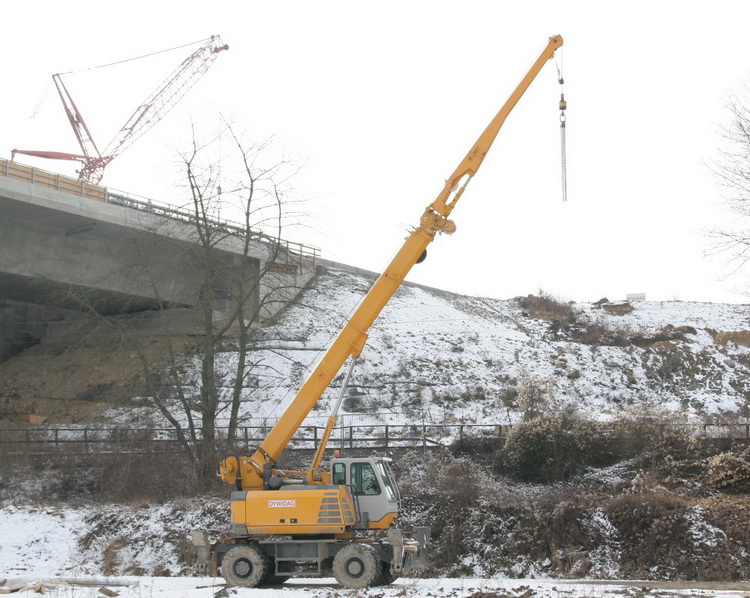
432	357
73	552
46	549
160	587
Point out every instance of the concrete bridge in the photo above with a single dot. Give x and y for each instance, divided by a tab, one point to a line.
68	246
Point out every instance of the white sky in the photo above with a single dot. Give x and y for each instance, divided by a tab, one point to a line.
382	100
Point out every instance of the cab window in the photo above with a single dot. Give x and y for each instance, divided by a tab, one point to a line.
339	474
386	476
364	479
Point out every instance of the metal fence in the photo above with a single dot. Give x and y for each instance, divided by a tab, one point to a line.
126	440
85	440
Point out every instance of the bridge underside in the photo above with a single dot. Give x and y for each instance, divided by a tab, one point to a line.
70	297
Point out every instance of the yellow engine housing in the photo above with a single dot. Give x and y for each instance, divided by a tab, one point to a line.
293	510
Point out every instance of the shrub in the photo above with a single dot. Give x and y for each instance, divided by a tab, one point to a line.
441	491
600	333
534	395
546	307
654	439
651	527
68	475
729	473
554	448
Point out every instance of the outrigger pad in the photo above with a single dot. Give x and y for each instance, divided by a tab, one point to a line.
199	538
420	559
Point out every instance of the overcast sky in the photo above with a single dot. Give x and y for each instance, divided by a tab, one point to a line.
381	100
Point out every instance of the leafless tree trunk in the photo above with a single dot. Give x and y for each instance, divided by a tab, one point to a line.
732	169
181	286
256	196
226	250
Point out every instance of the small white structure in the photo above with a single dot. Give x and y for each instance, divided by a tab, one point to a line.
635	297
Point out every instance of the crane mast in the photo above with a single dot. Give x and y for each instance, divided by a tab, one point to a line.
151	110
249	472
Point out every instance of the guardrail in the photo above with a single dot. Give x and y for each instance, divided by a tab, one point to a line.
379	436
37	176
294	250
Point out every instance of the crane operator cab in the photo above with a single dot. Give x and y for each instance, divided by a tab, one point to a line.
373	487
359	494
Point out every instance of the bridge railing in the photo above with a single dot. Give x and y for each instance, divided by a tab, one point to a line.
296	251
37	176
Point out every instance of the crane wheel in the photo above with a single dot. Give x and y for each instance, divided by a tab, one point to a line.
356	566
385	577
272	579
244	565
276	580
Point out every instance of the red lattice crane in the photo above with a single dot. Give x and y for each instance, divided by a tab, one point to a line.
151	110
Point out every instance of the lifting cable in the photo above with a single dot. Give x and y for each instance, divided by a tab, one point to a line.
563	106
101	66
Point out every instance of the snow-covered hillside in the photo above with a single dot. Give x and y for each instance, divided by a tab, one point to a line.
435	357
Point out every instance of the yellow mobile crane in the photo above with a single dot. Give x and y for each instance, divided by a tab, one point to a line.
316	523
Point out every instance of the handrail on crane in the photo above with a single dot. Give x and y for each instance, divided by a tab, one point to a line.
151	110
249	472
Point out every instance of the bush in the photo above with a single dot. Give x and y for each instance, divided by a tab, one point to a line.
664	536
67	475
555	448
652	529
441	492
534	395
546	307
654	439
729	473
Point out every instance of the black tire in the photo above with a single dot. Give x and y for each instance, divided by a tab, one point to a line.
271	579
385	577
244	565
356	566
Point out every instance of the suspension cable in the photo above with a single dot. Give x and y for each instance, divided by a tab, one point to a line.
101	66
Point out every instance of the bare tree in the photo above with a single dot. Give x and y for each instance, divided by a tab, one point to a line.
732	169
200	278
243	272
